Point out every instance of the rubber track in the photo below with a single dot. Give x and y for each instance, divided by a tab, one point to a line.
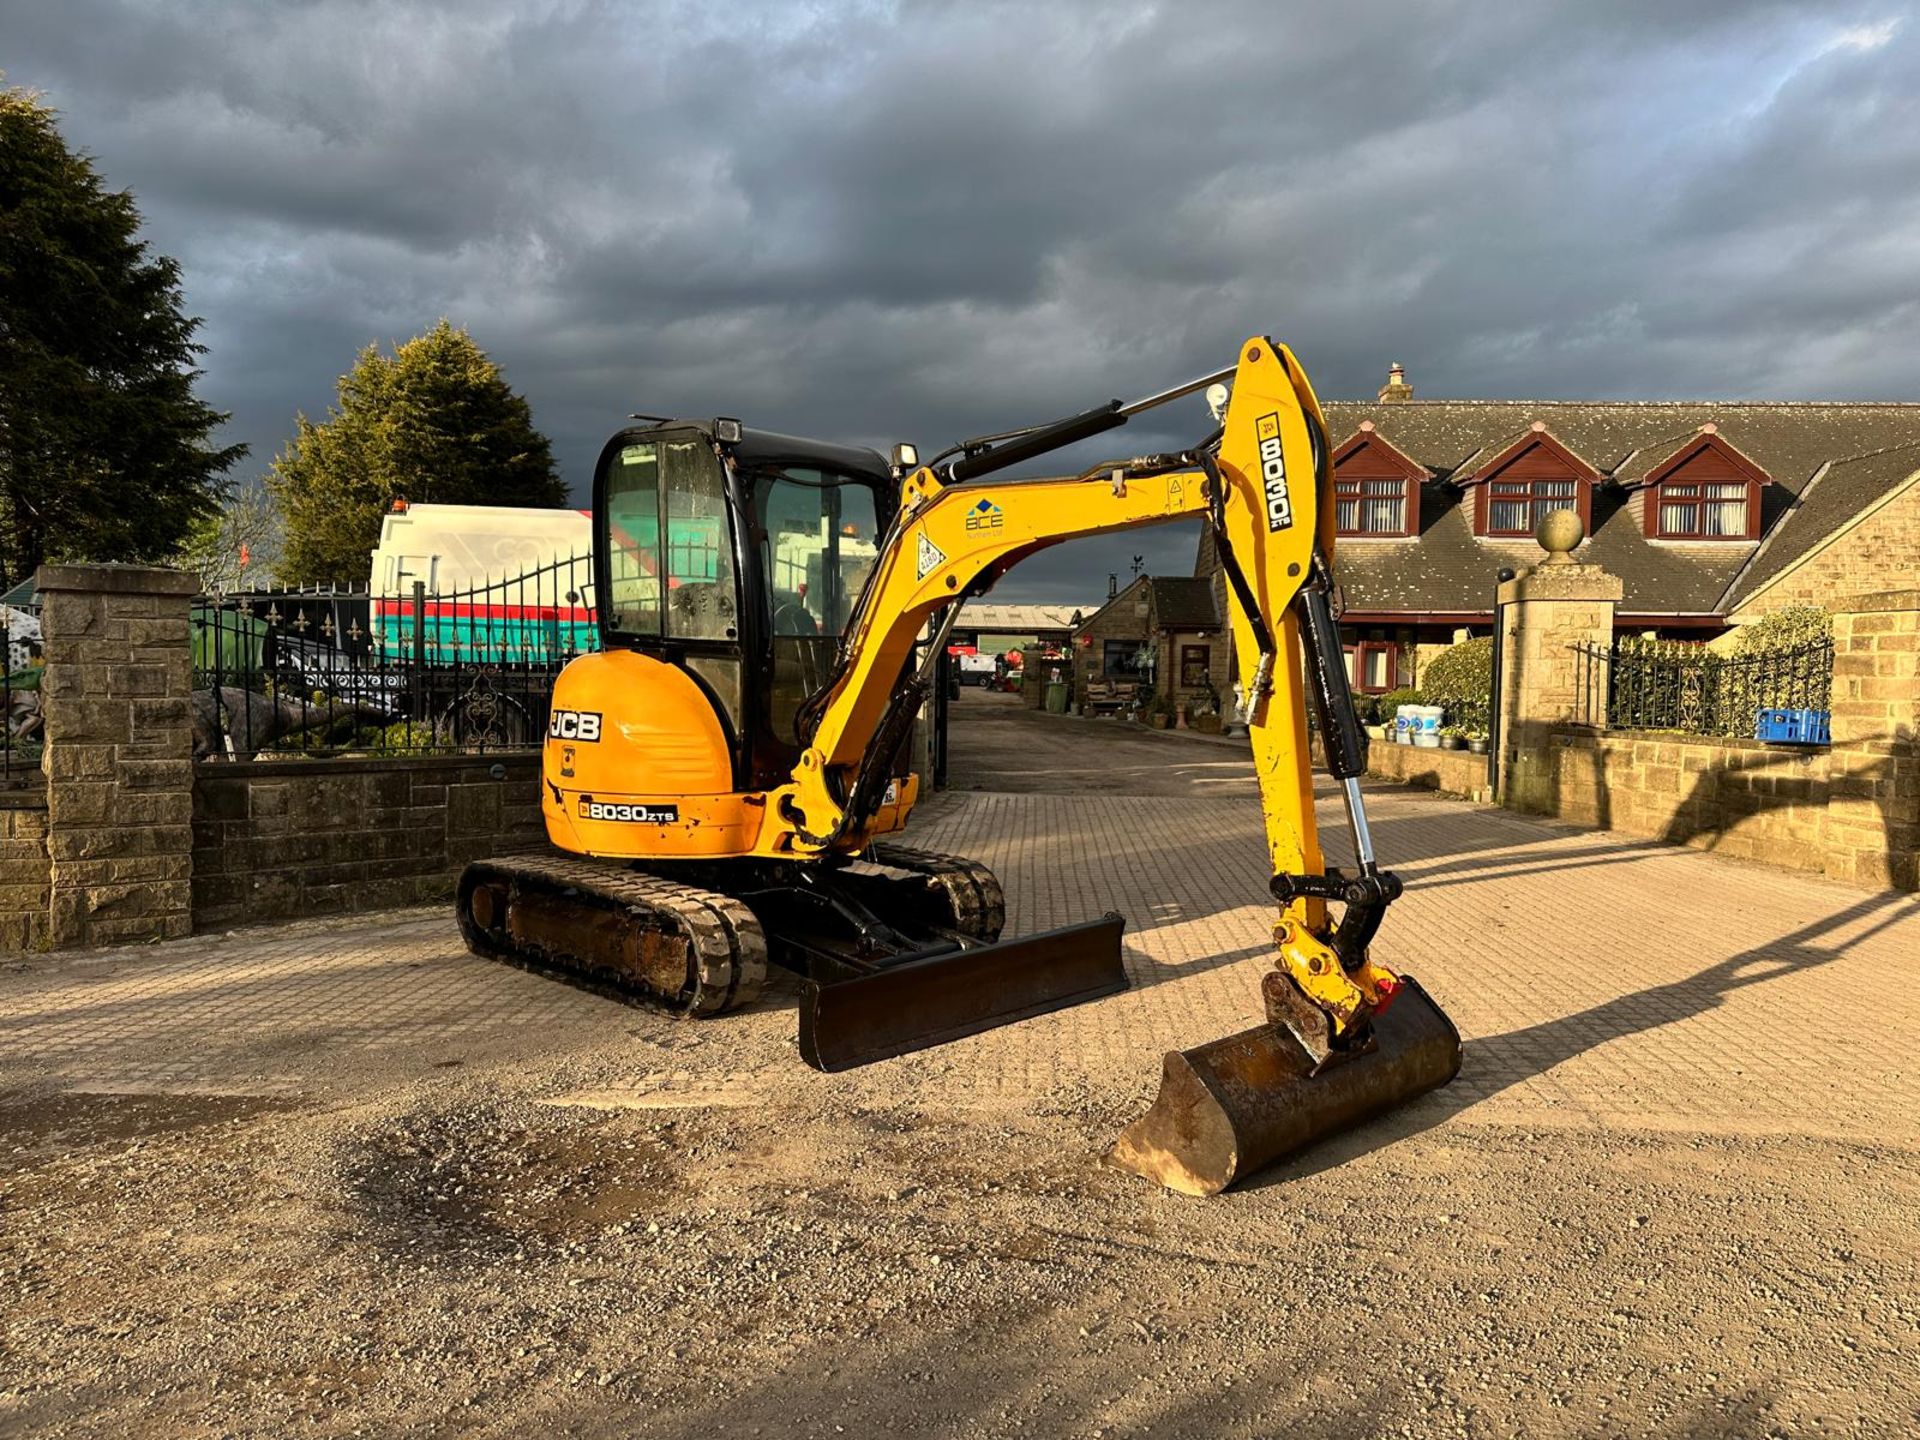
973	891
730	950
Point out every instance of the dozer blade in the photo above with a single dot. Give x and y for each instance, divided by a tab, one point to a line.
1234	1106
922	1000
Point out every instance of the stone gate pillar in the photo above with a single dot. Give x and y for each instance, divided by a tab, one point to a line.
1873	769
1547	615
119	752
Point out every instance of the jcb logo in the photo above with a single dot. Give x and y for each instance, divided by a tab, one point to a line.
574	725
1273	473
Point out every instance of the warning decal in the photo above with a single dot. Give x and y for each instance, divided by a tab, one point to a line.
931	557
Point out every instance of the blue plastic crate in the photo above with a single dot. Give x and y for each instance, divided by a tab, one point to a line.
1793	727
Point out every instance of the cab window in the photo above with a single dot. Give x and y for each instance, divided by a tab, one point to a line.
818	537
683	589
818	542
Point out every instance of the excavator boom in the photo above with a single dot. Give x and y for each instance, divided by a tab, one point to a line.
1328	1054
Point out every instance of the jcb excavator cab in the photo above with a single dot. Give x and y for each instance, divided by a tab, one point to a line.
737	555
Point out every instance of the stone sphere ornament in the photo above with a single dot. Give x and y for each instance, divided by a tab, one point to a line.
1560	533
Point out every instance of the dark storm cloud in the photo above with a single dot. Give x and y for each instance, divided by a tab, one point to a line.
928	220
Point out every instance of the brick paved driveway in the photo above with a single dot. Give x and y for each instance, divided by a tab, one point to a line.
1599	981
1687	1118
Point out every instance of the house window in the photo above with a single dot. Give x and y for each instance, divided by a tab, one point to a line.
1373	666
1704	510
1120	659
1195	663
1516	507
1369	507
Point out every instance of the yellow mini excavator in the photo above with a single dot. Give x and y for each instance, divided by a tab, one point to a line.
726	769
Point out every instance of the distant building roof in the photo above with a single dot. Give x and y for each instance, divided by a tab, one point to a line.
1017	619
1832	502
1871	448
1183	602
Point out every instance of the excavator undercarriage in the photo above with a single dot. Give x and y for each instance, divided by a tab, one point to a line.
893	954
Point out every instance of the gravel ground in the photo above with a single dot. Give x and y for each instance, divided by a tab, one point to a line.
600	1222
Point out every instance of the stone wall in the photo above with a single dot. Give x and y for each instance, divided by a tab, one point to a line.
25	870
1122	618
1850	811
1451	772
275	839
1735	797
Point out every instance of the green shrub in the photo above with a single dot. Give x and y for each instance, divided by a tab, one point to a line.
1460	678
1394	699
401	738
1793	628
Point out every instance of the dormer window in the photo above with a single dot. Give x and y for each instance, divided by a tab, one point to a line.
1710	510
1526	482
1705	490
1516	507
1376	489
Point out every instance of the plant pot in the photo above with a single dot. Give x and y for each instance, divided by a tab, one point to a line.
1452	742
1160	722
1207	724
1477	744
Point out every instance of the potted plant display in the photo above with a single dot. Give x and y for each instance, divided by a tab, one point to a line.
1477	744
1453	737
1160	715
1205	714
1391	704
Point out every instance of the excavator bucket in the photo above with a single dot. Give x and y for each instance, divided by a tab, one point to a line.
1235	1106
913	1001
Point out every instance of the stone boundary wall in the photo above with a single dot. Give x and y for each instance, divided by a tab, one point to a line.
26	871
1734	797
275	839
1451	772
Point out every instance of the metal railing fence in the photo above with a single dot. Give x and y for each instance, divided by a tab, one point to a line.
337	670
1673	685
20	725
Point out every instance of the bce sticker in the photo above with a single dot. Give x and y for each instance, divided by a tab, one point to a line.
1273	473
986	516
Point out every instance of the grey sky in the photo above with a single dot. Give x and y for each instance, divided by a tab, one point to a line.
924	220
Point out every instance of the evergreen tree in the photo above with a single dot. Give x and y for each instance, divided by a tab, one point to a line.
105	452
435	422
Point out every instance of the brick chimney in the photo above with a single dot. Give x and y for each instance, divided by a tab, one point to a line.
1396	387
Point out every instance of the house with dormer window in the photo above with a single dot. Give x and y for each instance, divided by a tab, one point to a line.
1710	512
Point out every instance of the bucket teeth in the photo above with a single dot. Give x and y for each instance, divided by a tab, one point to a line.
1237	1105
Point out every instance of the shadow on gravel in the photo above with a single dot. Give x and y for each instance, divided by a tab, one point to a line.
1499	1062
71	1121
